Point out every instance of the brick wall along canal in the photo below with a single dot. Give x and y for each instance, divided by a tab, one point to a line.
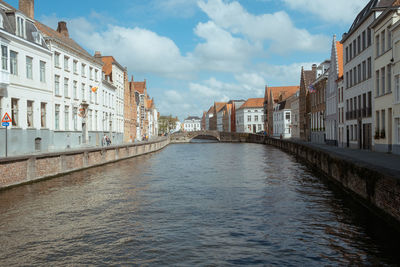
192	204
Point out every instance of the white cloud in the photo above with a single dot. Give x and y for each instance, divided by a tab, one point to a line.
222	51
343	11
276	27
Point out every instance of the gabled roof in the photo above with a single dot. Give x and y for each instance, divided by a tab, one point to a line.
140	86
211	110
107	66
50	33
339	51
283	92
253	103
192	118
219	106
149	103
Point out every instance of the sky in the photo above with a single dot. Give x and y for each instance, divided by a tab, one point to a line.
195	52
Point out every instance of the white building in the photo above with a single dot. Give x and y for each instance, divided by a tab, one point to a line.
332	91
358	77
250	116
282	120
395	101
25	83
192	124
384	79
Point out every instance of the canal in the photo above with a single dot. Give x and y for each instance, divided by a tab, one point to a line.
192	204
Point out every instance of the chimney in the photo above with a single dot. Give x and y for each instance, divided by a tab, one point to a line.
97	54
27	7
314	67
62	28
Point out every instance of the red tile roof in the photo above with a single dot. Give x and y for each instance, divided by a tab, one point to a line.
283	92
253	103
219	106
140	86
49	32
107	67
339	50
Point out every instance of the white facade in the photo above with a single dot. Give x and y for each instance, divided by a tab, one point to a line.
359	80
25	84
282	122
395	100
250	120
192	124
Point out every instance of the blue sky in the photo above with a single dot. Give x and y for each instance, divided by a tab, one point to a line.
195	52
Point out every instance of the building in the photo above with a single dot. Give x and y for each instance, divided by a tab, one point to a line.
26	84
306	79
396	87
294	107
152	118
359	78
317	98
125	111
282	120
272	96
142	123
332	92
209	117
216	120
250	116
192	124
383	96
226	117
341	112
203	121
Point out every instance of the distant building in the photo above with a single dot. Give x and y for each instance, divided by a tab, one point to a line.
282	120
192	124
295	111
306	79
250	116
332	93
317	95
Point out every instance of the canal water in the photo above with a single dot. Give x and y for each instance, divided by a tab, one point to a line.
189	205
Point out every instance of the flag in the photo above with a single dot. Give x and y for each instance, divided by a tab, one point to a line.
94	89
311	88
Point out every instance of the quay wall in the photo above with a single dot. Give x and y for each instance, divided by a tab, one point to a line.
376	188
26	169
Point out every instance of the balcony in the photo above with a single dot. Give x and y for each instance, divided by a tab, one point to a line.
4	78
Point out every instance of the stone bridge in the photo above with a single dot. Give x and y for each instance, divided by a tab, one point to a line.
185	137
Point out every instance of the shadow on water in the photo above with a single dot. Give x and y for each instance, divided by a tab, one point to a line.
204	139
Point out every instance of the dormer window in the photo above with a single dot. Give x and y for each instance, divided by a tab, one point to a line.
21	27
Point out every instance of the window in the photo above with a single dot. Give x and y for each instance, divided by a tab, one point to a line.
351	78
96	75
75	66
57	85
383	119
364	44
91	73
389	78
351	51
347	54
66	118
397	92
347	80
83	71
90	120
66	89
29	114
4	57
20	27
75	118
83	91
369	66
57	59
66	63
364	70
57	117
42	71
359	44
377	45
377	125
249	118
75	90
369	36
389	39
29	67
287	116
14	112
43	115
354	48
383	41
255	118
13	63
359	72
383	74
397	125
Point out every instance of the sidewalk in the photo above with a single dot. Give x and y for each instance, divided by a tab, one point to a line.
383	162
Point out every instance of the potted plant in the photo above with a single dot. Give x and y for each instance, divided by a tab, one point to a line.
383	133
376	134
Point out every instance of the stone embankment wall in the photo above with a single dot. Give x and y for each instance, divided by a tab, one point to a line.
375	188
25	169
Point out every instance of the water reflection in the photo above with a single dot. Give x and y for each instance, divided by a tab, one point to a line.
205	204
